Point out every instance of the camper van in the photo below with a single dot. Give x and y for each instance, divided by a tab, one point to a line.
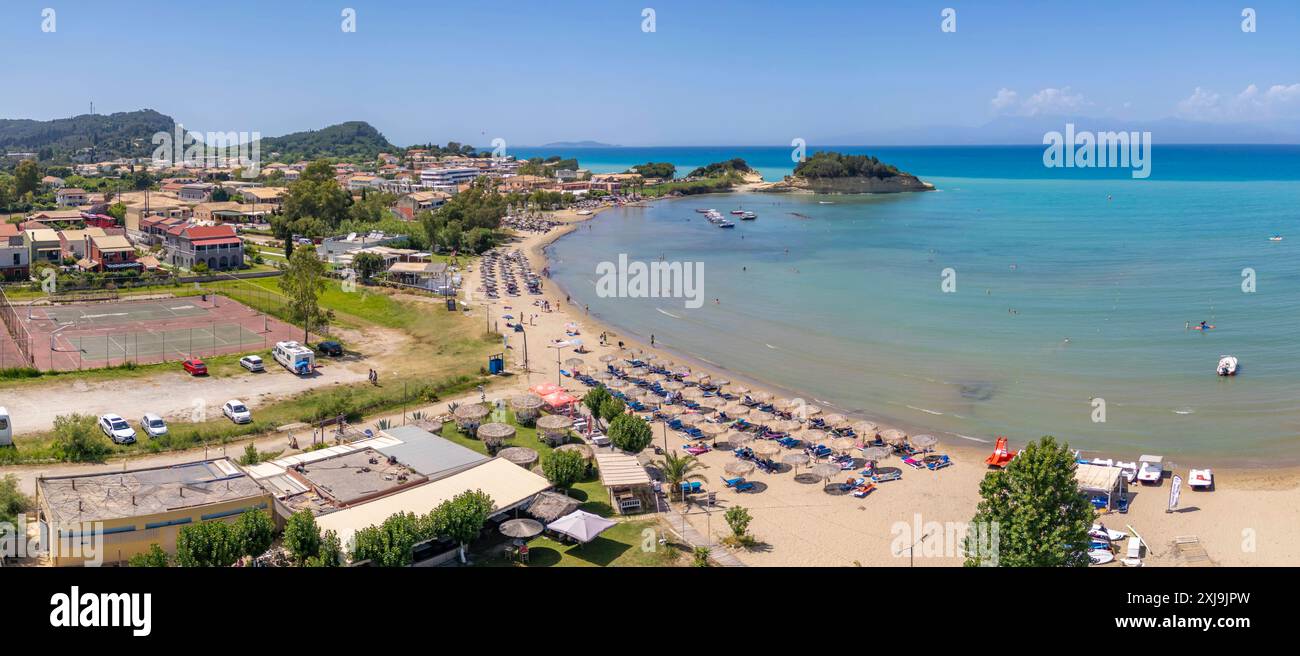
6	428
295	357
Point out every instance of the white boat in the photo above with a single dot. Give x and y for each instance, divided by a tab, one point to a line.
1227	366
748	216
1108	534
1101	556
1275	238
1129	470
1151	469
737	212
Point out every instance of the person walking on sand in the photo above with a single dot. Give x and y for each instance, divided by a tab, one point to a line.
652	340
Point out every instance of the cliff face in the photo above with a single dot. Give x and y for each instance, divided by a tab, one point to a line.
855	185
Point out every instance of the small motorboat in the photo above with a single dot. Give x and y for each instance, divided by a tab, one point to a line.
1099	532
1129	470
737	212
1101	556
748	216
1275	238
703	210
726	224
1227	366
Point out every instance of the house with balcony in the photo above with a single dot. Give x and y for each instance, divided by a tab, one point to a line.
43	245
71	197
109	253
219	247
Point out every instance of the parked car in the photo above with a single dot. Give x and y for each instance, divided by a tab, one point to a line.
237	411
195	367
116	428
252	363
330	348
153	425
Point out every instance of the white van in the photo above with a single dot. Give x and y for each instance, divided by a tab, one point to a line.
6	428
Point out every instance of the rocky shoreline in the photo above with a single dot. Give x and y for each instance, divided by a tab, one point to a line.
853	185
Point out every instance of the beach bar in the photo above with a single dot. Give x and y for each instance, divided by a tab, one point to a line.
630	489
1101	480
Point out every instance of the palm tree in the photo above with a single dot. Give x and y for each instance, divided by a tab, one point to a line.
677	469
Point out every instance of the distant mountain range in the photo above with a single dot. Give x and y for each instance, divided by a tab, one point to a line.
98	137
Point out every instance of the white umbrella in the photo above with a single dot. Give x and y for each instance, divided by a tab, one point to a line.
925	442
581	525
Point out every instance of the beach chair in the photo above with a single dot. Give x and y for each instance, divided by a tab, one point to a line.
935	463
863	490
691	487
697	449
1200	479
914	463
732	482
744	486
1001	455
886	476
565	373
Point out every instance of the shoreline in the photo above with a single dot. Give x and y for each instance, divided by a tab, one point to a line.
1262	473
804	526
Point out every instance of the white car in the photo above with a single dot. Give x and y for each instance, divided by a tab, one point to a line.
252	363
116	428
237	411
153	425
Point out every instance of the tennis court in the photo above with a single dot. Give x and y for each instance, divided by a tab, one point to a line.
100	334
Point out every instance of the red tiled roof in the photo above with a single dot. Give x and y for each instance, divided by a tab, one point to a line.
217	242
8	230
209	232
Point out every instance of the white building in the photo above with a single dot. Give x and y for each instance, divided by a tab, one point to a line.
447	179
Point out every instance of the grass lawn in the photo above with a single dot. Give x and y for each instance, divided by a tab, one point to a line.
629	544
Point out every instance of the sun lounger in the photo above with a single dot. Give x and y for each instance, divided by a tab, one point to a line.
697	449
935	463
863	490
732	482
691	487
744	486
914	463
1200	479
892	475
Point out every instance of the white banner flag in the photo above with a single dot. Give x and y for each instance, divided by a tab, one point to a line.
1173	492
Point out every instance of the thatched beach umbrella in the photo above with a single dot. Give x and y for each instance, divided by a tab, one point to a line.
617	383
894	436
554	427
520	455
810	411
495	432
735	410
587	452
673	385
795	459
691	419
608	358
843	444
712	429
813	435
761	418
761	397
785	425
739	390
672	410
603	376
526	407
826	471
767	449
924	442
738	467
469	415
783	404
875	453
835	419
574	363
522	528
692	393
738	438
865	429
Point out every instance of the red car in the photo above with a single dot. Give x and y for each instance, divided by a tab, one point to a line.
195	367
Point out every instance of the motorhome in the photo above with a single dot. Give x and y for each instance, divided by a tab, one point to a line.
295	357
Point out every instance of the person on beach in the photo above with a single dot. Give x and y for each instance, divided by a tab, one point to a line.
652	340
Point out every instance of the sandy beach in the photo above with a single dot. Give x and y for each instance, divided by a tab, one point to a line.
1250	518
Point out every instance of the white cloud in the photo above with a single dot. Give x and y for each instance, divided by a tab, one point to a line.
1045	101
1278	101
1006	98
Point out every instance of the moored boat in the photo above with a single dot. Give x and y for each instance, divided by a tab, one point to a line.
1227	366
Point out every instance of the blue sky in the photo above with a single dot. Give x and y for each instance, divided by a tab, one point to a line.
719	72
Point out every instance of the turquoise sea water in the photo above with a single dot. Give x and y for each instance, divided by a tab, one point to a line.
854	313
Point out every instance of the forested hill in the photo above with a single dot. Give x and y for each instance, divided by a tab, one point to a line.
350	139
124	134
130	134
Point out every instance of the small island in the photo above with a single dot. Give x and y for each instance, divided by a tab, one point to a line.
836	173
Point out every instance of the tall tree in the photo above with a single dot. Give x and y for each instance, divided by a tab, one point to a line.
318	195
206	544
254	533
302	282
27	178
630	433
302	537
1031	514
564	468
462	518
677	469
